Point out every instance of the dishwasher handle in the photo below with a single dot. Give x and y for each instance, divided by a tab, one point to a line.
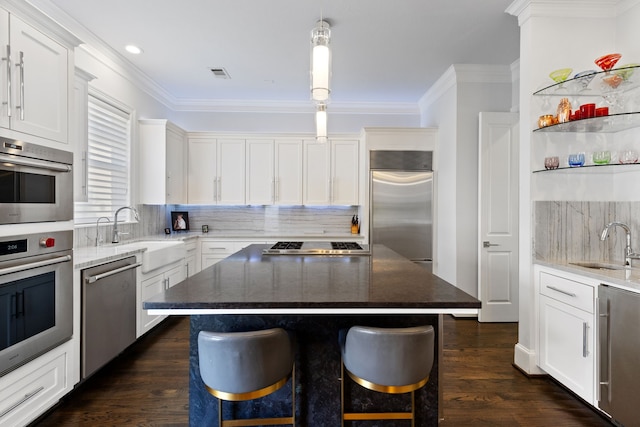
93	279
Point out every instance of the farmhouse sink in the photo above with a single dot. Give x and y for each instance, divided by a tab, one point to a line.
599	265
158	253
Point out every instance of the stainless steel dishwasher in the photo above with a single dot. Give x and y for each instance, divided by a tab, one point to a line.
108	312
619	352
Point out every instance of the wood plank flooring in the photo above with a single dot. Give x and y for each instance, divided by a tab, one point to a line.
148	385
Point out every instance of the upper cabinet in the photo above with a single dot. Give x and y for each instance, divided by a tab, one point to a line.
274	172
331	172
216	171
163	155
35	81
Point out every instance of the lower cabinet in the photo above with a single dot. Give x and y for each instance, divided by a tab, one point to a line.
567	331
30	390
213	251
153	283
191	261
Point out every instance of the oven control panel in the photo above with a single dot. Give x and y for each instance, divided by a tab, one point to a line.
14	247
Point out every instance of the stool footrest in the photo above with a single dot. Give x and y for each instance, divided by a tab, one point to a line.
358	416
258	422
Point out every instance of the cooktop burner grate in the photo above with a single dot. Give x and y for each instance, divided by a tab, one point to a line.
345	245
287	245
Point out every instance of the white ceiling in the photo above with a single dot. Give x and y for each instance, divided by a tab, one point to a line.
383	51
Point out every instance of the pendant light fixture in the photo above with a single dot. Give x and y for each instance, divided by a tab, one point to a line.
321	122
320	61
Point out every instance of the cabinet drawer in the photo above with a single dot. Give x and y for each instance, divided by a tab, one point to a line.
25	399
570	292
218	247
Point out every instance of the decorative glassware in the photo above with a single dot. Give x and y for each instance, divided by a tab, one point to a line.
551	162
560	75
601	157
584	78
628	156
607	62
625	71
576	160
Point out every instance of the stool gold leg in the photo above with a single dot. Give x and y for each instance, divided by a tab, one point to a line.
341	393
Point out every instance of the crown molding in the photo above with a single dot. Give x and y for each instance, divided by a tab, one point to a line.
526	9
466	73
42	20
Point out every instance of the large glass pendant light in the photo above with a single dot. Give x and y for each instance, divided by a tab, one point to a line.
320	61
321	122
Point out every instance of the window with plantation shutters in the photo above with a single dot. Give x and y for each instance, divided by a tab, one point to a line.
108	160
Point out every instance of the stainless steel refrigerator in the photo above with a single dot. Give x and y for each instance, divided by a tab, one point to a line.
401	203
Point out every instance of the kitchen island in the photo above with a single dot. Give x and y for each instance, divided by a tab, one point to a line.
313	297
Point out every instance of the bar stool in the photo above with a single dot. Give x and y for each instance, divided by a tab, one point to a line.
387	360
237	366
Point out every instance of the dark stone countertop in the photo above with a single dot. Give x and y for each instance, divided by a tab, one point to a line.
250	282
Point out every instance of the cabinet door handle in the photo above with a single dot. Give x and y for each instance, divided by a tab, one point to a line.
21	66
585	328
487	244
21	401
553	288
8	59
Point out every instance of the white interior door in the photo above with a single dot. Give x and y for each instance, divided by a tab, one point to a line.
498	217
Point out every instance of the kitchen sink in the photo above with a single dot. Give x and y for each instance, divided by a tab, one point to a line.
599	265
159	253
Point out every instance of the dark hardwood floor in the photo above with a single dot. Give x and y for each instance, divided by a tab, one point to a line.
149	384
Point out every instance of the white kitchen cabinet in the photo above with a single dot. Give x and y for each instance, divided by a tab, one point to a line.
152	283
191	260
274	172
331	172
216	171
567	331
163	148
39	75
213	251
32	389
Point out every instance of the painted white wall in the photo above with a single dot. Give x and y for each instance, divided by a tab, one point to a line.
452	106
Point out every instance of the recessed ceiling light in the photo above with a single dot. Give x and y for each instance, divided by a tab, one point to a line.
133	49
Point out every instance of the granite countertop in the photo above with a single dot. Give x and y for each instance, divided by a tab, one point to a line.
624	278
250	282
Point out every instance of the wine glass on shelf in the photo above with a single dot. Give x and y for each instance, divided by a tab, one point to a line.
583	79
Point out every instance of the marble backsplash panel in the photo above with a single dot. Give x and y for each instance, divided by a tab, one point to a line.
570	231
282	220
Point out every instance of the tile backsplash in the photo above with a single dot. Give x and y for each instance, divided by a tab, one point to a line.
570	231
278	220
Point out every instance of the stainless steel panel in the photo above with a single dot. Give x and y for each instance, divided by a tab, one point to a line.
401	160
108	314
401	212
619	352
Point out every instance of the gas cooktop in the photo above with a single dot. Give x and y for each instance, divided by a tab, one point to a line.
317	248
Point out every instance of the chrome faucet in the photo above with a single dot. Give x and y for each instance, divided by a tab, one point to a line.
116	233
98	235
628	252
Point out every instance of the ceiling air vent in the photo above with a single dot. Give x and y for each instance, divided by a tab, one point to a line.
220	73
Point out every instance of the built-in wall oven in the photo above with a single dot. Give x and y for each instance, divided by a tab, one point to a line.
36	295
36	183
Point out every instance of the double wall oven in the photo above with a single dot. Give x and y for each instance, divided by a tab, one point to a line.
36	263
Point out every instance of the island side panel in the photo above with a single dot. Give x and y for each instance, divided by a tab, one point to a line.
317	371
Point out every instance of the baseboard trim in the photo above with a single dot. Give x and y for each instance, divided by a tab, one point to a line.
525	360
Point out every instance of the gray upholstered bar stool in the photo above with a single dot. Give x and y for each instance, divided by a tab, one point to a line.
387	360
237	366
